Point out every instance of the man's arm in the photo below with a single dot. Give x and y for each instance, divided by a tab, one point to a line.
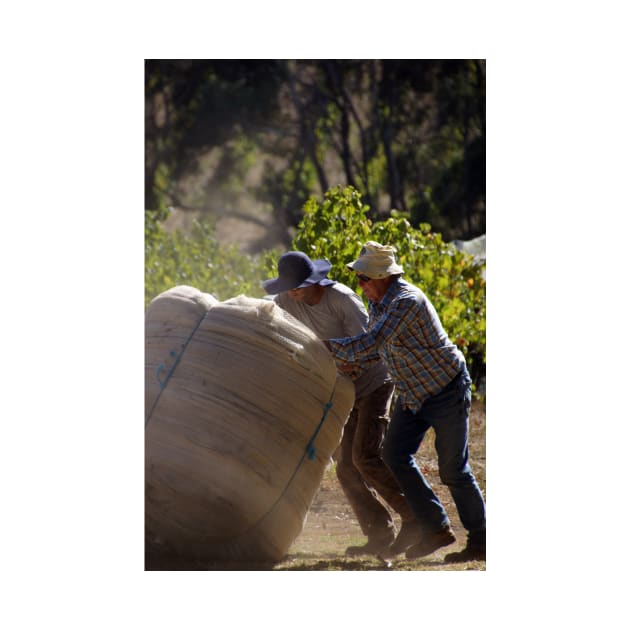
365	347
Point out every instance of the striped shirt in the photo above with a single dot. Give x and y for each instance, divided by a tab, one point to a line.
405	331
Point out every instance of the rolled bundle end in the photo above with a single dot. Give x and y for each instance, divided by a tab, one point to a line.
244	410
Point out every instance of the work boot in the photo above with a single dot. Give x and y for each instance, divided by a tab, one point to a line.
431	541
410	532
475	549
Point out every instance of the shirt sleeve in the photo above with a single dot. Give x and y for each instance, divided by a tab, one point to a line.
366	346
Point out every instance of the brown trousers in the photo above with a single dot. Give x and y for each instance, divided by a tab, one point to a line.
361	470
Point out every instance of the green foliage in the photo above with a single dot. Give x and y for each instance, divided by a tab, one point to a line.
199	260
337	228
334	229
153	220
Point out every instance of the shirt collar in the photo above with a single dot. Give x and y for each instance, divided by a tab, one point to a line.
392	291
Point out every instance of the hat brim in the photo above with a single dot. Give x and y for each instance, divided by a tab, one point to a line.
280	285
362	266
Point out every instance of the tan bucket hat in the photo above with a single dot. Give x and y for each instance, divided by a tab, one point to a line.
376	261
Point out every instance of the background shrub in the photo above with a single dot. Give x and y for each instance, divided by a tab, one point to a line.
336	229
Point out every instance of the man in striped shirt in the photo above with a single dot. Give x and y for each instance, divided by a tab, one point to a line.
433	387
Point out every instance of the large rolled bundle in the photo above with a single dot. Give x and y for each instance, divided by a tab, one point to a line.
244	407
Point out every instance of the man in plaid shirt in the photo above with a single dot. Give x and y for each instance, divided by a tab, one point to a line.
433	388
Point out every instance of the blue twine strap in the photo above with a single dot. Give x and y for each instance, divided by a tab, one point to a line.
310	449
177	357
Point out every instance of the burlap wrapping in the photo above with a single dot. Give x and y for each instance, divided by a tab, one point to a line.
244	407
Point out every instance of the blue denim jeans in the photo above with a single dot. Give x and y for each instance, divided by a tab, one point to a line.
447	412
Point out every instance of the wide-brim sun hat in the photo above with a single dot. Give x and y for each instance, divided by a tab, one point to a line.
296	271
376	261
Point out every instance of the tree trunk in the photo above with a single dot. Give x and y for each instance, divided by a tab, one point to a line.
306	133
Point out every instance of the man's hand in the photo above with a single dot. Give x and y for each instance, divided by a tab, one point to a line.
349	369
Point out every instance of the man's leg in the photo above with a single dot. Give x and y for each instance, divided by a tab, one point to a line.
372	422
404	435
374	520
448	413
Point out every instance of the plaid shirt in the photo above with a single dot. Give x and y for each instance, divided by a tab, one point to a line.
406	333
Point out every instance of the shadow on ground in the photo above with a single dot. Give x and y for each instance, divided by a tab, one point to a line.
293	562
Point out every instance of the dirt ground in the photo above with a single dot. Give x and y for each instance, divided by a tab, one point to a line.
331	526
